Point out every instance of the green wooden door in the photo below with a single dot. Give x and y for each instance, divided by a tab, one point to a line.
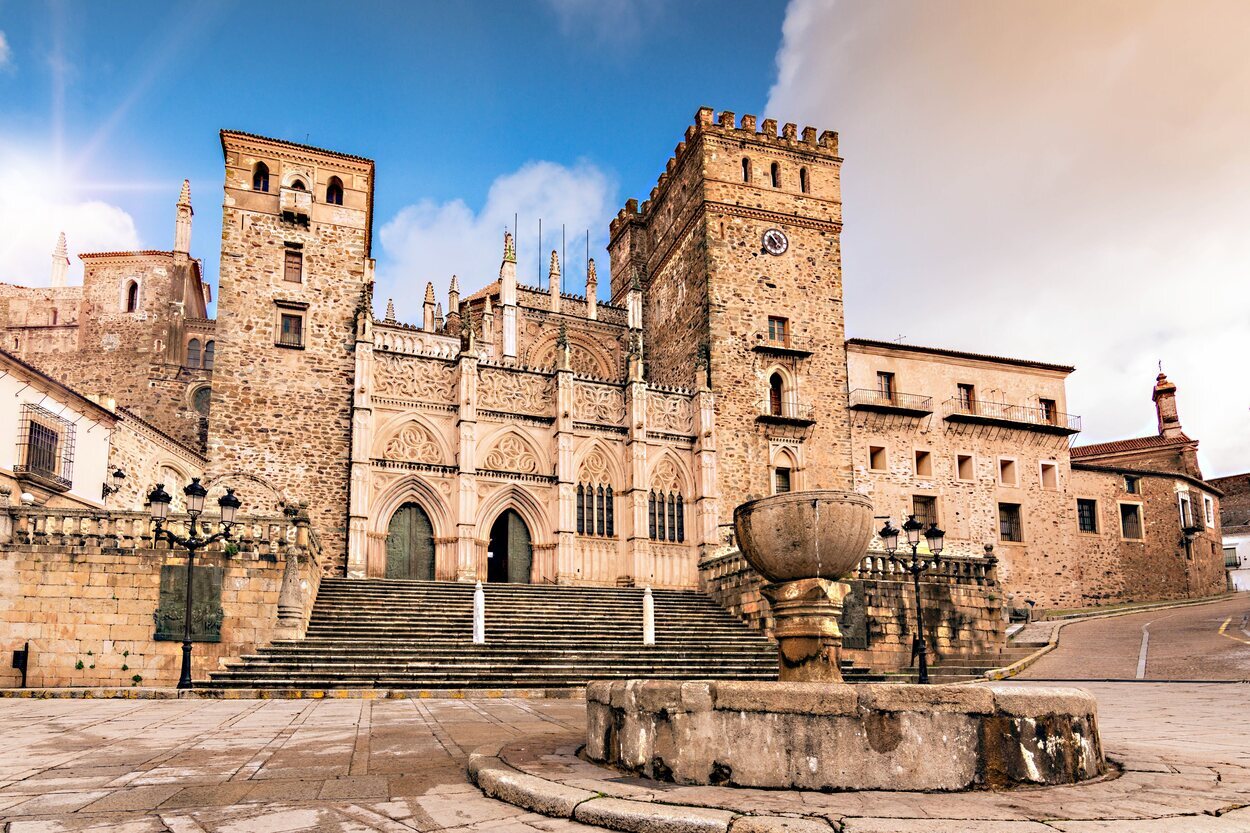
511	553
410	544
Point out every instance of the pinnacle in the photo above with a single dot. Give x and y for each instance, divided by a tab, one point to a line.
455	284
61	249
591	275
429	293
555	264
184	198
390	310
509	248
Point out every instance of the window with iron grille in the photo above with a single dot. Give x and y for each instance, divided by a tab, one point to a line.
666	516
1009	527
596	514
924	507
291	333
1087	515
45	446
781	480
1130	521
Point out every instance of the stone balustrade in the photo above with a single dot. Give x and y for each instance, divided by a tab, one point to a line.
975	571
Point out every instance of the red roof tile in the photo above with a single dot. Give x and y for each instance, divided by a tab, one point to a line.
1134	444
958	354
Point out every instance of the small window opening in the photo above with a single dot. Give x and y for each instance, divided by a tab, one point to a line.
779	330
299	185
877	458
963	466
924	507
1050	476
334	191
803	183
924	464
193	353
1087	515
775	172
775	388
54	317
1130	521
132	297
1009	526
1007	472
1130	484
260	177
208	354
293	270
746	169
781	480
291	333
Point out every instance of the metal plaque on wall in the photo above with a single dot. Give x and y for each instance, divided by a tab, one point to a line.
206	610
854	621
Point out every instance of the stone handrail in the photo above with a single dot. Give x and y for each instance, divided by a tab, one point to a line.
977	571
252	535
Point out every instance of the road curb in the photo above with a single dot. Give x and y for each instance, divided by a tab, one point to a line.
1020	665
135	693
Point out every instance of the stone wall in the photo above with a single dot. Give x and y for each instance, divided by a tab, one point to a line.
82	589
963	608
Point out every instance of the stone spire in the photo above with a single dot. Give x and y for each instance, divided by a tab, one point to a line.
60	261
453	296
553	281
182	220
633	301
390	311
1164	397
592	291
509	248
488	322
428	319
507	296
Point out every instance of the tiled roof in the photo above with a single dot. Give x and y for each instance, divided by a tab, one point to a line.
958	354
1168	475
86	255
1134	444
312	148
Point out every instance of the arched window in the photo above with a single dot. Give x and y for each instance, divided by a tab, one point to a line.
783	473
334	191
775	170
775	389
666	516
596	514
298	185
193	353
208	354
260	177
132	296
803	183
746	169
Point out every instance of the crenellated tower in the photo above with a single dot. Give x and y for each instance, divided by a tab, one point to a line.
738	253
295	270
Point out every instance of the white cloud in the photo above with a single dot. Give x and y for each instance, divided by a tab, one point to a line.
34	208
1061	182
432	241
6	54
616	23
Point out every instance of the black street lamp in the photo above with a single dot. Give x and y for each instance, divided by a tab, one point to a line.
159	501
110	488
916	565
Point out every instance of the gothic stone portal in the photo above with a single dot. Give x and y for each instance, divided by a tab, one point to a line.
410	544
510	557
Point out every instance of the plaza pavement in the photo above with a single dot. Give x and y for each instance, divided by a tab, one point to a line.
255	766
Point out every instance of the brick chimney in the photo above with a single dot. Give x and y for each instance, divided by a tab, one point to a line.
1165	406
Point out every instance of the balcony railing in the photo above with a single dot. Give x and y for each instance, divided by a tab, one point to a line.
1230	561
790	411
1046	420
890	402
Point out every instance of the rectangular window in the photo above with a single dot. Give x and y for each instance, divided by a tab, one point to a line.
45	446
963	466
779	330
1130	484
1009	528
1208	510
781	480
1230	558
1130	521
41	453
885	386
1086	515
968	398
1186	508
924	507
1050	411
1049	475
1007	475
291	333
876	458
924	464
293	270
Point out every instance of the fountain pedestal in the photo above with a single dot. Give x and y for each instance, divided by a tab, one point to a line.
809	641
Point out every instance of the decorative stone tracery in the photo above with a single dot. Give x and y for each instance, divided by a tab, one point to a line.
412	379
514	454
669	412
413	443
598	403
504	390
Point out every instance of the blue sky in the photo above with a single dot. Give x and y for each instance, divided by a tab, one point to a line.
1064	180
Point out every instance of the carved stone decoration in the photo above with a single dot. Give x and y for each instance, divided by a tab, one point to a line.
666	477
668	412
598	403
413	379
513	454
595	469
513	392
414	444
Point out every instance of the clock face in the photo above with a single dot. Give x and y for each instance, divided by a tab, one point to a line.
775	241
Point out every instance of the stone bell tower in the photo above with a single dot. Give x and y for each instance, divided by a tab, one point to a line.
295	270
738	252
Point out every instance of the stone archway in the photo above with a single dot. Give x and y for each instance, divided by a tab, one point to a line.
410	544
510	557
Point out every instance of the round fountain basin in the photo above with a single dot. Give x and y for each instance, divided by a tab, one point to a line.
822	736
813	534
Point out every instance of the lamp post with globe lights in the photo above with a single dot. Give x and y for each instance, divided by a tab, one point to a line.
915	565
195	493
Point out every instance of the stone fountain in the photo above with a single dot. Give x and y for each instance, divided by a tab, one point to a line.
810	730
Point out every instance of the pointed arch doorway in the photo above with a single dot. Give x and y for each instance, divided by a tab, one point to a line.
510	557
410	544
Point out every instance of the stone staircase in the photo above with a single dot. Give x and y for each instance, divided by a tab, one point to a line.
378	633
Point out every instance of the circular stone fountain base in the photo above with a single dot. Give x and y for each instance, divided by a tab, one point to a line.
823	736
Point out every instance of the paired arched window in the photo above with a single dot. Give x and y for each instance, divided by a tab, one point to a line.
334	191
193	353
776	389
208	355
804	185
775	172
132	296
746	169
260	177
595	512
666	516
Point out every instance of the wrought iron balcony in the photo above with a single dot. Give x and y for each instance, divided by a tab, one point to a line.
1230	560
1044	420
43	475
790	411
909	404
